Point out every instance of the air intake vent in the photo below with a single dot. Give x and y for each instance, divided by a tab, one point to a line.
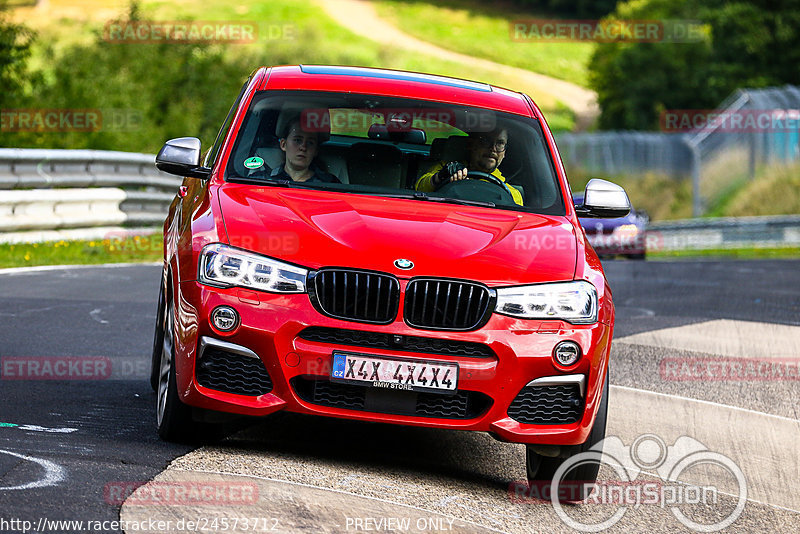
320	391
355	295
396	342
547	405
447	304
230	372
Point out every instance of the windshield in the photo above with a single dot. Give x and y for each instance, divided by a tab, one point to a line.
395	147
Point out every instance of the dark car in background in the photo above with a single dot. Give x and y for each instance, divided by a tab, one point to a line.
624	236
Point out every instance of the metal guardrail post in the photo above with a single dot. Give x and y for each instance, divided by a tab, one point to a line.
696	167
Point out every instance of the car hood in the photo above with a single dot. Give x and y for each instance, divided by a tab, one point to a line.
317	229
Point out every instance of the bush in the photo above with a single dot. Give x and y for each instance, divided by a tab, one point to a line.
573	8
146	93
746	44
15	48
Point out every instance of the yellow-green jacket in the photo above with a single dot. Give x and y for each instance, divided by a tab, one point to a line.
424	182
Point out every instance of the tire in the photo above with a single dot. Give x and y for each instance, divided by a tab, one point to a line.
175	420
542	468
640	256
158	341
173	417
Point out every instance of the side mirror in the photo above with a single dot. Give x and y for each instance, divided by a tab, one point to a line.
603	199
181	156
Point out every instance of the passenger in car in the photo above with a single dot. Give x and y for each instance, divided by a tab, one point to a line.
485	152
300	147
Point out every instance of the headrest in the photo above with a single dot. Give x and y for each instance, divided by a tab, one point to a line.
378	131
453	148
312	119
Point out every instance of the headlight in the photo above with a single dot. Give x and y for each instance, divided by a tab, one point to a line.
575	302
224	266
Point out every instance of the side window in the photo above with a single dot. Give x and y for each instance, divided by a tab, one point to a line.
211	155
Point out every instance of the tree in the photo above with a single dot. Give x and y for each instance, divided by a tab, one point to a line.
144	92
572	8
745	44
15	44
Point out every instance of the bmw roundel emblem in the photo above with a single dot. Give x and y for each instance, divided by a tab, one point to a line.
403	264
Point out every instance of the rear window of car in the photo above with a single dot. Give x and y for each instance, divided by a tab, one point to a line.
384	145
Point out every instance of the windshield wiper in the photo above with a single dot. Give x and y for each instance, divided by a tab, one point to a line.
420	195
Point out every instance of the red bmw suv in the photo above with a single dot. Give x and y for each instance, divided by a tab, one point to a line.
385	246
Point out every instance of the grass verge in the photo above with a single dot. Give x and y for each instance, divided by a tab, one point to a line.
727	253
130	250
774	191
662	197
483	30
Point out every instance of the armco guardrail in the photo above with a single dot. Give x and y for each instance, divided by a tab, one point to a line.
63	194
725	232
78	194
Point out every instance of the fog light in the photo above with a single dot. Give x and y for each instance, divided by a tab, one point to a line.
224	318
567	353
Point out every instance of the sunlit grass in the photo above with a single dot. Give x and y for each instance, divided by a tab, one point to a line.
727	253
482	30
110	250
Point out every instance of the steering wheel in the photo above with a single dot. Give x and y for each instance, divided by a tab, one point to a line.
481	186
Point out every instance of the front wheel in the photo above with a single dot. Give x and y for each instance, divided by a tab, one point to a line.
576	481
173	417
158	341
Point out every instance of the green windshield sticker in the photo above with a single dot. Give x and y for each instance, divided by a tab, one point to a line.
7	424
254	162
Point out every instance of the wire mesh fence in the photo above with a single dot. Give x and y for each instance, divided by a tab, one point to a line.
718	149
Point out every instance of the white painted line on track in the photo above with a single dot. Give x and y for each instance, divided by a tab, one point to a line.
710	403
95	314
44	268
37	428
764	446
53	473
724	337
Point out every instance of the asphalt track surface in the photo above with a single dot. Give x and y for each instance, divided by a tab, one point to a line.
66	446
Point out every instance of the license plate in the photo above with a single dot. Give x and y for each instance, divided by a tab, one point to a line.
392	373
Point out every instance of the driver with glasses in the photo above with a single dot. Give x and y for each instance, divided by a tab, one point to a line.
486	151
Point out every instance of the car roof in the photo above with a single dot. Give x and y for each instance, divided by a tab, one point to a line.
396	83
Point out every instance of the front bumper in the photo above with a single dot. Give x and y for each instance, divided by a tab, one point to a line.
274	328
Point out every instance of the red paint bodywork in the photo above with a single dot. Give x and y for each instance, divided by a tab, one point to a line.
324	228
